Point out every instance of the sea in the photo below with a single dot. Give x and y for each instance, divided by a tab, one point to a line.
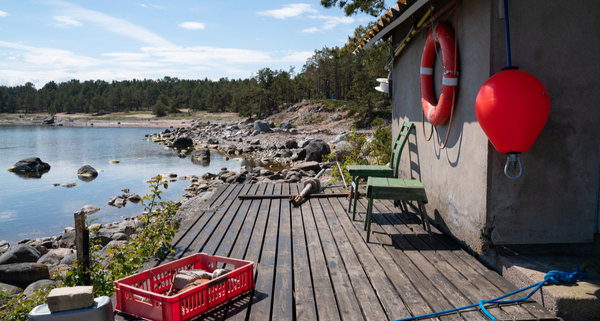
33	207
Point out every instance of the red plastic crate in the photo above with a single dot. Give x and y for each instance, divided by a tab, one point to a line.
143	294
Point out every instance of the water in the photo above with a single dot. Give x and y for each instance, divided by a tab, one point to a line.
33	207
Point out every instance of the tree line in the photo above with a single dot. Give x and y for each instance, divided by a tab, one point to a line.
329	73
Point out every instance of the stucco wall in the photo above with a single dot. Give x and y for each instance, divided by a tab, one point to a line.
555	199
456	177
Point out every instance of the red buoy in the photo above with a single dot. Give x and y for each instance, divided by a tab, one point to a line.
512	108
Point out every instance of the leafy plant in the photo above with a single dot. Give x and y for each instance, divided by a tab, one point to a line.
363	152
156	231
18	308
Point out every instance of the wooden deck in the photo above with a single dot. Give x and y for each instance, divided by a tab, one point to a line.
312	261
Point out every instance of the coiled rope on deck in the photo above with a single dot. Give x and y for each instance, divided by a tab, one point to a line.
552	277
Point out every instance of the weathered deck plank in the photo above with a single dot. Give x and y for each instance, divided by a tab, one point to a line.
312	262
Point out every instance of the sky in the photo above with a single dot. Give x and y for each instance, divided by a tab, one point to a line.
41	41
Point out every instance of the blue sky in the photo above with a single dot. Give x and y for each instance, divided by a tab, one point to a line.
110	40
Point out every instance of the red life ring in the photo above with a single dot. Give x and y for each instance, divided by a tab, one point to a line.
441	35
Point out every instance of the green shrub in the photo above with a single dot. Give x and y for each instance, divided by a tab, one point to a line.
159	109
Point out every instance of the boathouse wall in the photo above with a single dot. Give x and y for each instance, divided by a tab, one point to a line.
469	196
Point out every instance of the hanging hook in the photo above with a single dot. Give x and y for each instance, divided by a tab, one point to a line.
513	159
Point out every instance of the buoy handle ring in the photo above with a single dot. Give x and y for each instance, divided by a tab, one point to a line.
514	160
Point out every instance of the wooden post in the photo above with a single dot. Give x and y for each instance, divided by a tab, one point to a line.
82	245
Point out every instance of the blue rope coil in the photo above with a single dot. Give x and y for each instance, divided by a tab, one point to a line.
552	277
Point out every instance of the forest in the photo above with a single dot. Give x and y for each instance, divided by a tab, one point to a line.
329	73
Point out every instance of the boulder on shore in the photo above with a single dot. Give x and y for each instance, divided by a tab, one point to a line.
285	125
23	273
183	141
87	171
307	166
22	253
316	149
262	126
33	164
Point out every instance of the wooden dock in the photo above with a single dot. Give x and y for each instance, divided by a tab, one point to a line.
312	261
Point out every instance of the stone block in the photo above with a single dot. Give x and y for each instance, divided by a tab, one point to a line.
70	298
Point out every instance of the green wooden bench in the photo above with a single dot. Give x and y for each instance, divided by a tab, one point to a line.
358	172
399	190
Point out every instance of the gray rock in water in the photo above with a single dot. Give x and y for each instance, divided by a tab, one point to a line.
38	285
285	125
89	209
261	126
134	198
203	153
69	259
87	171
183	141
21	253
68	185
49	259
168	175
23	273
315	150
336	117
33	164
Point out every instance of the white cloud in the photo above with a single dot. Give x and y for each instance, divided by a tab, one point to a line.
290	10
116	25
3	14
301	56
142	5
67	21
192	25
331	21
310	30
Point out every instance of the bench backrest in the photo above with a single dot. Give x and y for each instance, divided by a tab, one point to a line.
399	144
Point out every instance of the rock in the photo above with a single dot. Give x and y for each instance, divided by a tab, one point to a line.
336	117
183	141
40	248
89	209
69	259
38	285
285	125
21	253
291	143
182	155
87	171
339	138
202	153
9	288
169	175
266	172
212	141
23	273
70	298
134	198
33	164
287	153
209	175
315	150
49	259
261	126
307	166
275	176
4	246
305	142
248	149
343	149
114	161
294	130
61	253
68	240
68	185
255	142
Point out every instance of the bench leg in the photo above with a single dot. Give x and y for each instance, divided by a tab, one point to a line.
356	180
350	198
425	220
368	218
